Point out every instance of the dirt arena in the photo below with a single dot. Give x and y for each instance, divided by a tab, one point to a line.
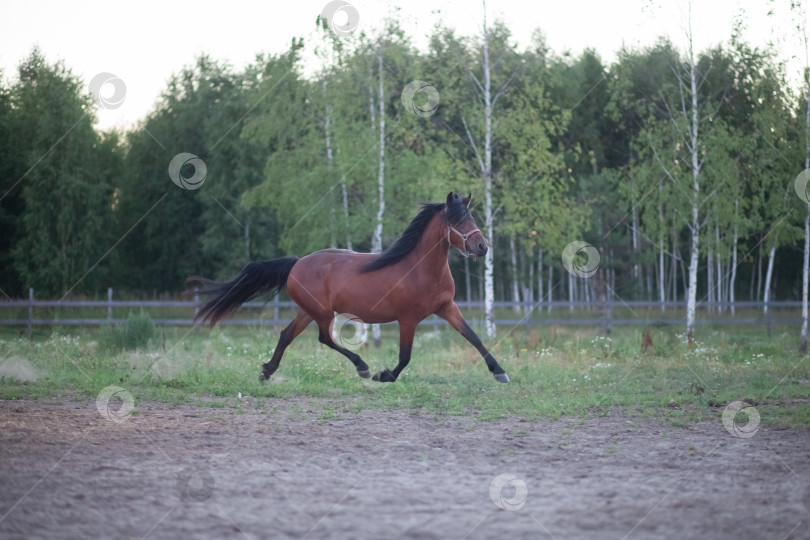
284	471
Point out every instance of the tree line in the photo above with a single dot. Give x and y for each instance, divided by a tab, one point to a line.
676	165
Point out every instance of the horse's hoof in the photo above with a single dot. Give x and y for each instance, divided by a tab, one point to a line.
501	377
384	376
364	373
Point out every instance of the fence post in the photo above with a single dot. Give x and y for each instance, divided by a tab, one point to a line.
109	305
30	312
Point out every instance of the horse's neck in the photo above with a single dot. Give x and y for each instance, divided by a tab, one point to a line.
430	253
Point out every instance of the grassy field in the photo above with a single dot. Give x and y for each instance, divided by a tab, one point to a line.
555	371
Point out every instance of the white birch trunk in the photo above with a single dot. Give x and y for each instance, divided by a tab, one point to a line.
692	288
695	226
759	275
768	275
489	264
731	298
378	230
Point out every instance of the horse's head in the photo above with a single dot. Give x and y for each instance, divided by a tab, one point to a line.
462	233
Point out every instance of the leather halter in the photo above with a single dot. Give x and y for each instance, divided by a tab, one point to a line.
463	236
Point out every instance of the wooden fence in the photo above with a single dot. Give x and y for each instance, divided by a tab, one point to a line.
537	313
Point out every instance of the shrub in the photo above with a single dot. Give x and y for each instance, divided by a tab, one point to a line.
133	334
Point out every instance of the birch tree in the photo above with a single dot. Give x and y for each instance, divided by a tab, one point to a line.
489	99
486	174
376	243
684	118
693	148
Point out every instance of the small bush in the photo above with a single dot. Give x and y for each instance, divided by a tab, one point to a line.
133	334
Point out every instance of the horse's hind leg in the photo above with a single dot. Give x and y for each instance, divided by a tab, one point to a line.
302	319
325	337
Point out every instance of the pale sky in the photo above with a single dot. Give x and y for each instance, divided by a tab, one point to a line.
144	42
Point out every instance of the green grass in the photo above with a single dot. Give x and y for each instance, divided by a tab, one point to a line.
562	371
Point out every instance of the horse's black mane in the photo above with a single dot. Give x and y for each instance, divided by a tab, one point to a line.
457	213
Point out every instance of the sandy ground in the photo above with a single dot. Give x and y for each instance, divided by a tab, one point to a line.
283	472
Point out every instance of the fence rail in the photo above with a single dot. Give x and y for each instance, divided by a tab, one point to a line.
711	313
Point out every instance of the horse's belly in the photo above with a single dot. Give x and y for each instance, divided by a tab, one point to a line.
365	305
373	305
330	281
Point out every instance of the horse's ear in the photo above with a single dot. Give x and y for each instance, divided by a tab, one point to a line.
466	200
450	197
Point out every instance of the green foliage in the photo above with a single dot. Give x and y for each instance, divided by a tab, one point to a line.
64	194
201	232
134	334
581	149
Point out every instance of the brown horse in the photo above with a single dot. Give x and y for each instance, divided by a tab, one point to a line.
406	283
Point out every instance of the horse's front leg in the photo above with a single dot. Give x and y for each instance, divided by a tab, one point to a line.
452	314
407	329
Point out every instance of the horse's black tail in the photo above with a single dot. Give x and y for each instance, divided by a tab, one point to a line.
255	278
